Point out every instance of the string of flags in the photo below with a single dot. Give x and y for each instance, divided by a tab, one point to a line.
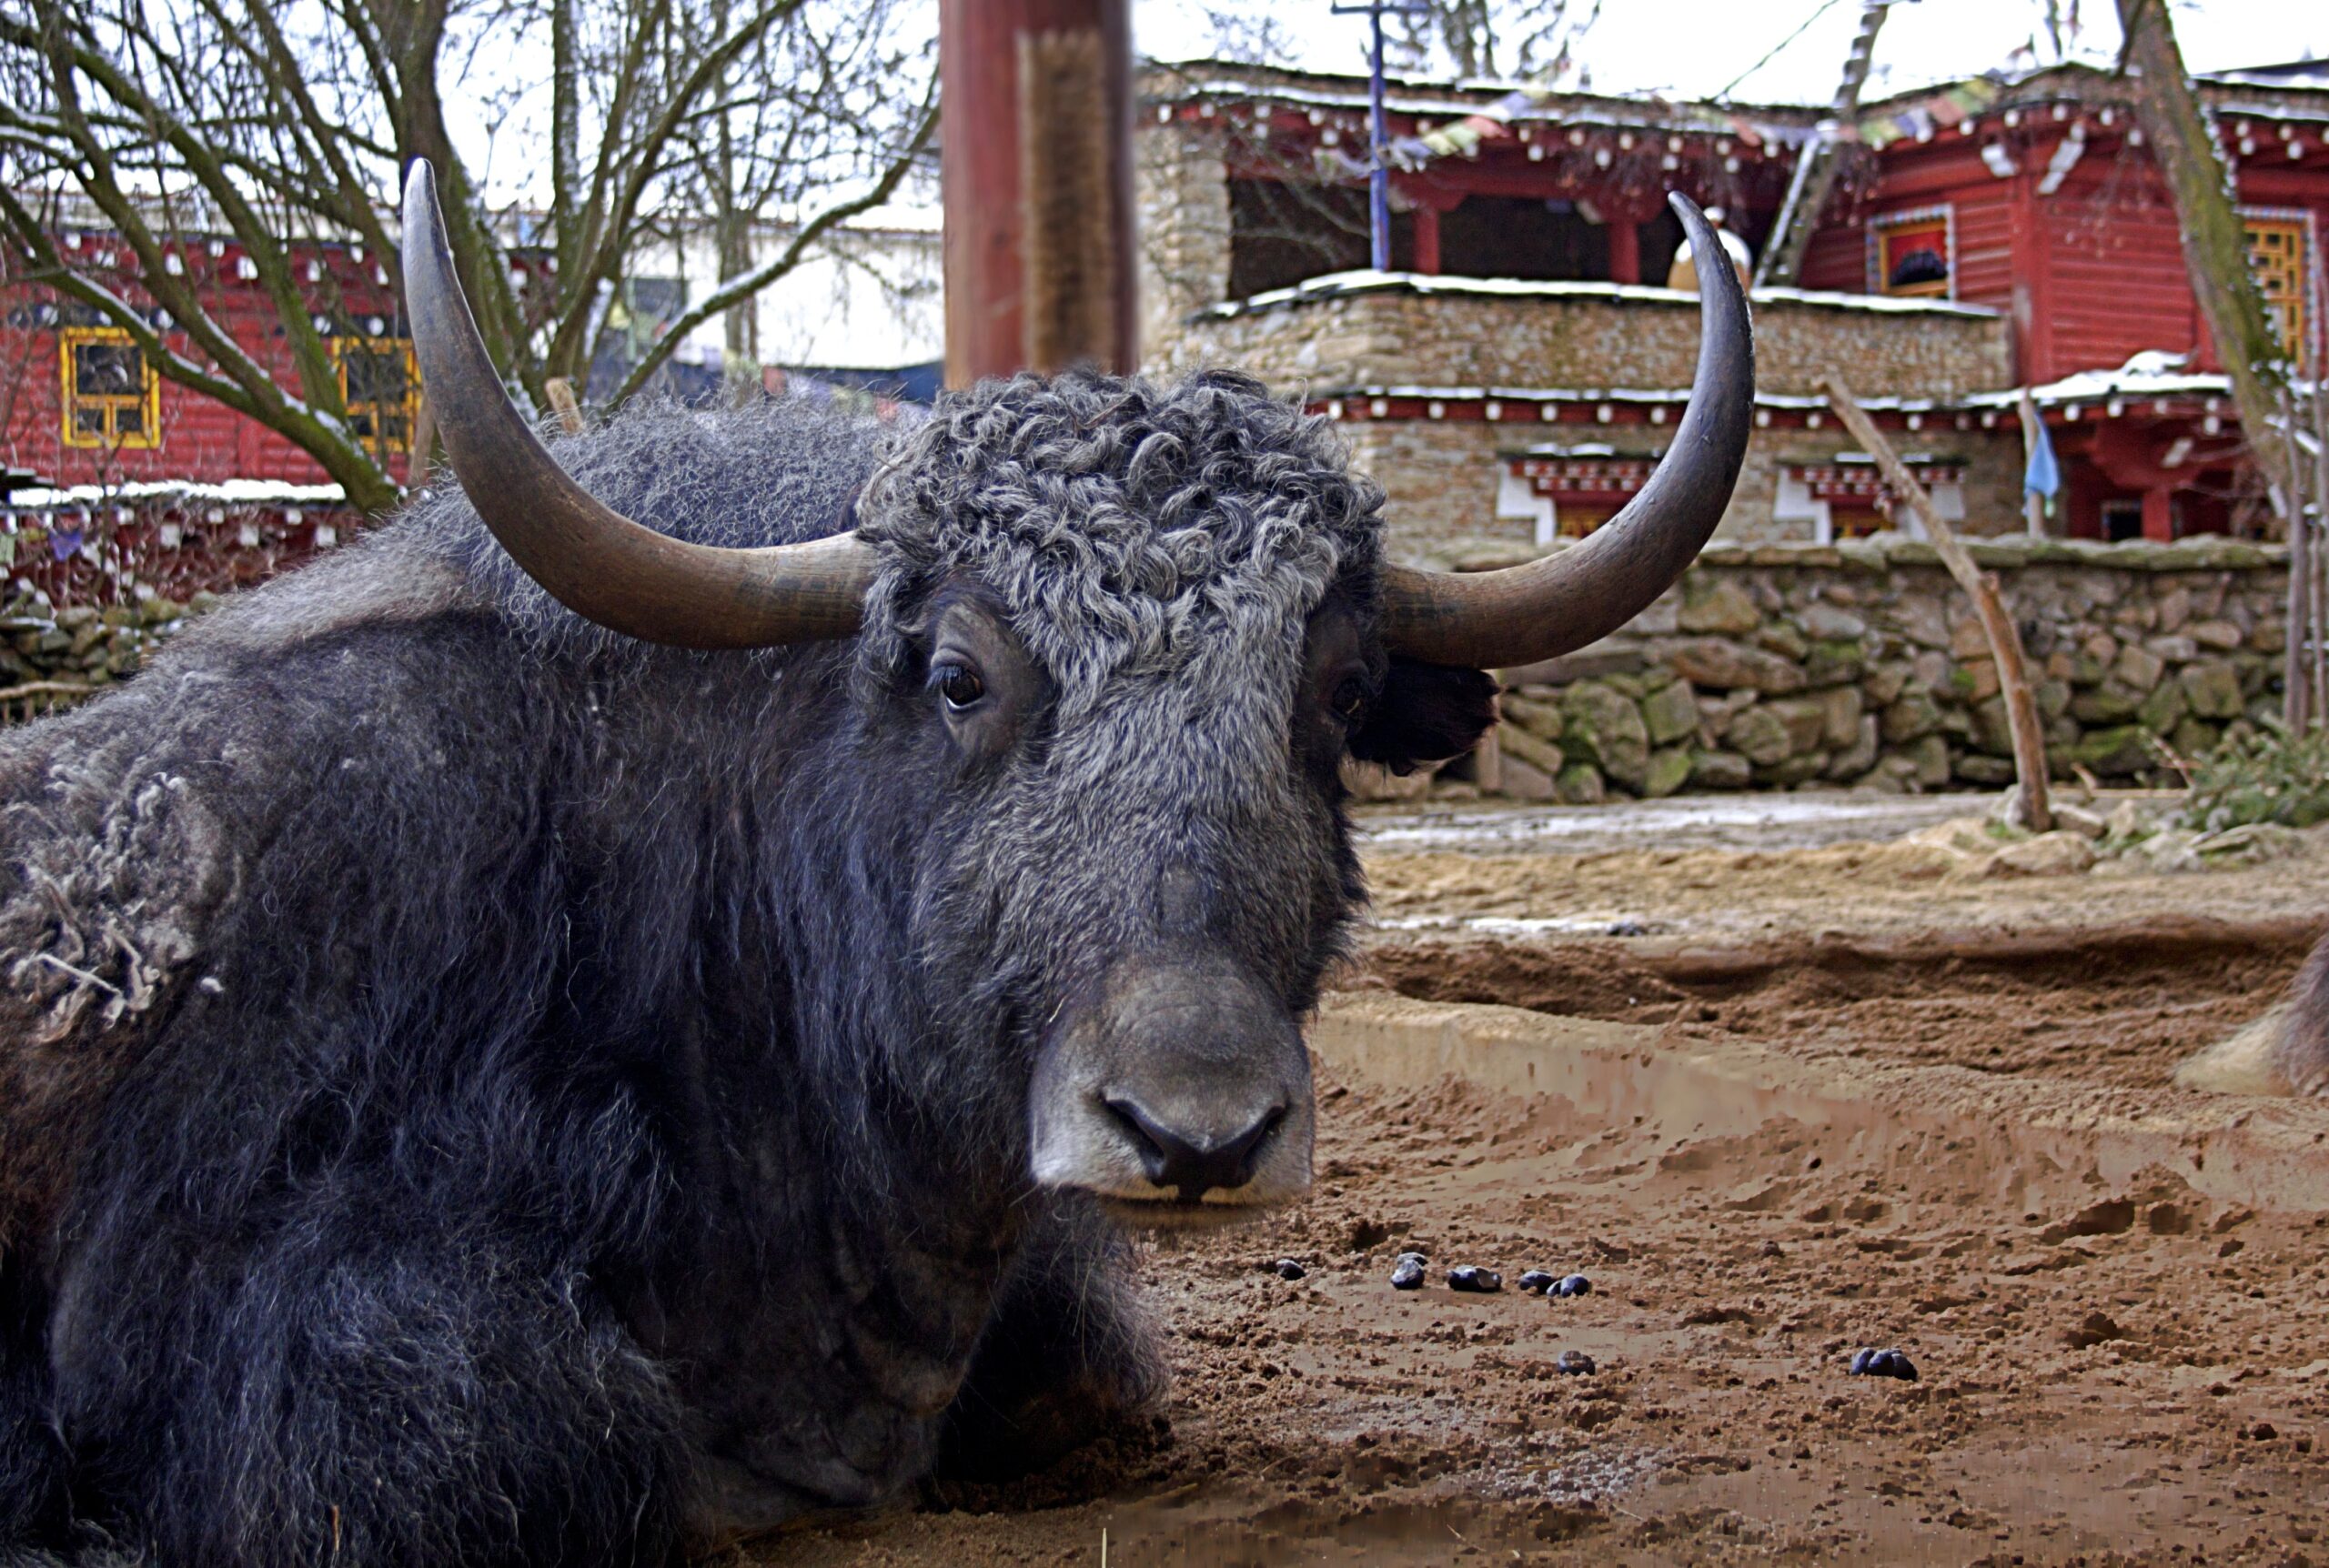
1936	112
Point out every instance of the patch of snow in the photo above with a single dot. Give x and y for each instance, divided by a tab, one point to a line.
1691	821
229	492
1348	285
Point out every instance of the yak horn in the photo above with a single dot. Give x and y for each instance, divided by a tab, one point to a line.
593	559
1560	602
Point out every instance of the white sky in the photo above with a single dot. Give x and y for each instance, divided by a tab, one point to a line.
1693	48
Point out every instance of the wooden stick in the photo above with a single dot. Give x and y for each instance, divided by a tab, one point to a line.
2294	672
562	399
2317	627
1997	627
2033	505
424	440
45	688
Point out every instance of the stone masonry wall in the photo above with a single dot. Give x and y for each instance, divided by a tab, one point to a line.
51	659
1442	476
1181	187
1459	332
1861	665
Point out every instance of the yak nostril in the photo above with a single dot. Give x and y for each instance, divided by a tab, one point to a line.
1194	1167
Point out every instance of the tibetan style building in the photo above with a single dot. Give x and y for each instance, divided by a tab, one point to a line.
1512	380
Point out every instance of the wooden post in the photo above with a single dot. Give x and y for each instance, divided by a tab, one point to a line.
1625	250
2296	682
2317	622
1426	231
560	392
1037	162
424	444
1487	763
2033	505
2005	638
2183	143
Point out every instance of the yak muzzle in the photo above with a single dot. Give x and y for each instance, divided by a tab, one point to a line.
1180	1095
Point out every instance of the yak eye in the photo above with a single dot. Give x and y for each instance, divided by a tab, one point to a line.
1350	698
959	684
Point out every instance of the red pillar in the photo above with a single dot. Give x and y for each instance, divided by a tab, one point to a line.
1625	251
1426	239
1040	276
2159	519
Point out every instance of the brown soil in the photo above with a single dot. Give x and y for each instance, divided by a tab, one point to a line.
2120	1372
2091	1011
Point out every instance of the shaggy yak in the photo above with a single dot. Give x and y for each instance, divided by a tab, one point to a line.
551	1038
2287	1052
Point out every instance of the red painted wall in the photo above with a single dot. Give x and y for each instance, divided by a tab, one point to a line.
200	438
2090	273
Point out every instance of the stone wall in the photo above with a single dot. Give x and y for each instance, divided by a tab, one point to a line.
1409	331
1181	187
51	659
1442	479
1861	665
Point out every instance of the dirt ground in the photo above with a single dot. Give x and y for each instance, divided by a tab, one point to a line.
2115	1367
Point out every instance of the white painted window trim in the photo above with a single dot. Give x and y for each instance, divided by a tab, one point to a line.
1946	211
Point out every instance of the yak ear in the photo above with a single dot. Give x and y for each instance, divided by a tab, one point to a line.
1427	713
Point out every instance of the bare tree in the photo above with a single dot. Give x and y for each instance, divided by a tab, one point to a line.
1523	38
2182	138
279	125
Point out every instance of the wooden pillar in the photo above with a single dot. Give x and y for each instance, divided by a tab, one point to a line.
1426	219
1625	251
2159	517
1036	145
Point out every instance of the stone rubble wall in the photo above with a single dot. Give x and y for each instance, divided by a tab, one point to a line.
51	659
1767	667
1861	665
1589	336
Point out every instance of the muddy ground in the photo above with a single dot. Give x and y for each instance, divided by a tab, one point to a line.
2116	1368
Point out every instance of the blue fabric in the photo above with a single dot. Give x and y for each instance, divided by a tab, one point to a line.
2043	475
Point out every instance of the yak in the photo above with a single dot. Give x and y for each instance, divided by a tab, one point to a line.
2284	1052
649	997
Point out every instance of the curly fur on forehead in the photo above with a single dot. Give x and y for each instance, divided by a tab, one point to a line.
1127	527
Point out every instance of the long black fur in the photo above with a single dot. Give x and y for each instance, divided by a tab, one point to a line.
476	1089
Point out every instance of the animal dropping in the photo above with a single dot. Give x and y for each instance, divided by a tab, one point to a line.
1883	1363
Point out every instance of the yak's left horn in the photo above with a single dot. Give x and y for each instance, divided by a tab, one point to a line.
595	561
1489	620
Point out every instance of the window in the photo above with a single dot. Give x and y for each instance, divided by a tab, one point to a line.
112	395
2122	520
2276	254
1909	255
381	389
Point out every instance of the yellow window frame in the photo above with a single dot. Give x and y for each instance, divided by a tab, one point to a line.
341	349
109	405
2280	255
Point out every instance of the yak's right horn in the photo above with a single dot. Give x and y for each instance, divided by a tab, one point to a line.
1493	620
593	559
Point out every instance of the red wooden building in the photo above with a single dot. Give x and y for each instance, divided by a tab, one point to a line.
2027	209
121	482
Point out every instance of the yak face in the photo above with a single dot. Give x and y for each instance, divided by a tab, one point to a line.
1130	633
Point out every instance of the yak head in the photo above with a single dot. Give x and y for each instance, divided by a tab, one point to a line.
1123	639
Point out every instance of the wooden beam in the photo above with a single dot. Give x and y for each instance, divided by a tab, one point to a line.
1997	627
1036	146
